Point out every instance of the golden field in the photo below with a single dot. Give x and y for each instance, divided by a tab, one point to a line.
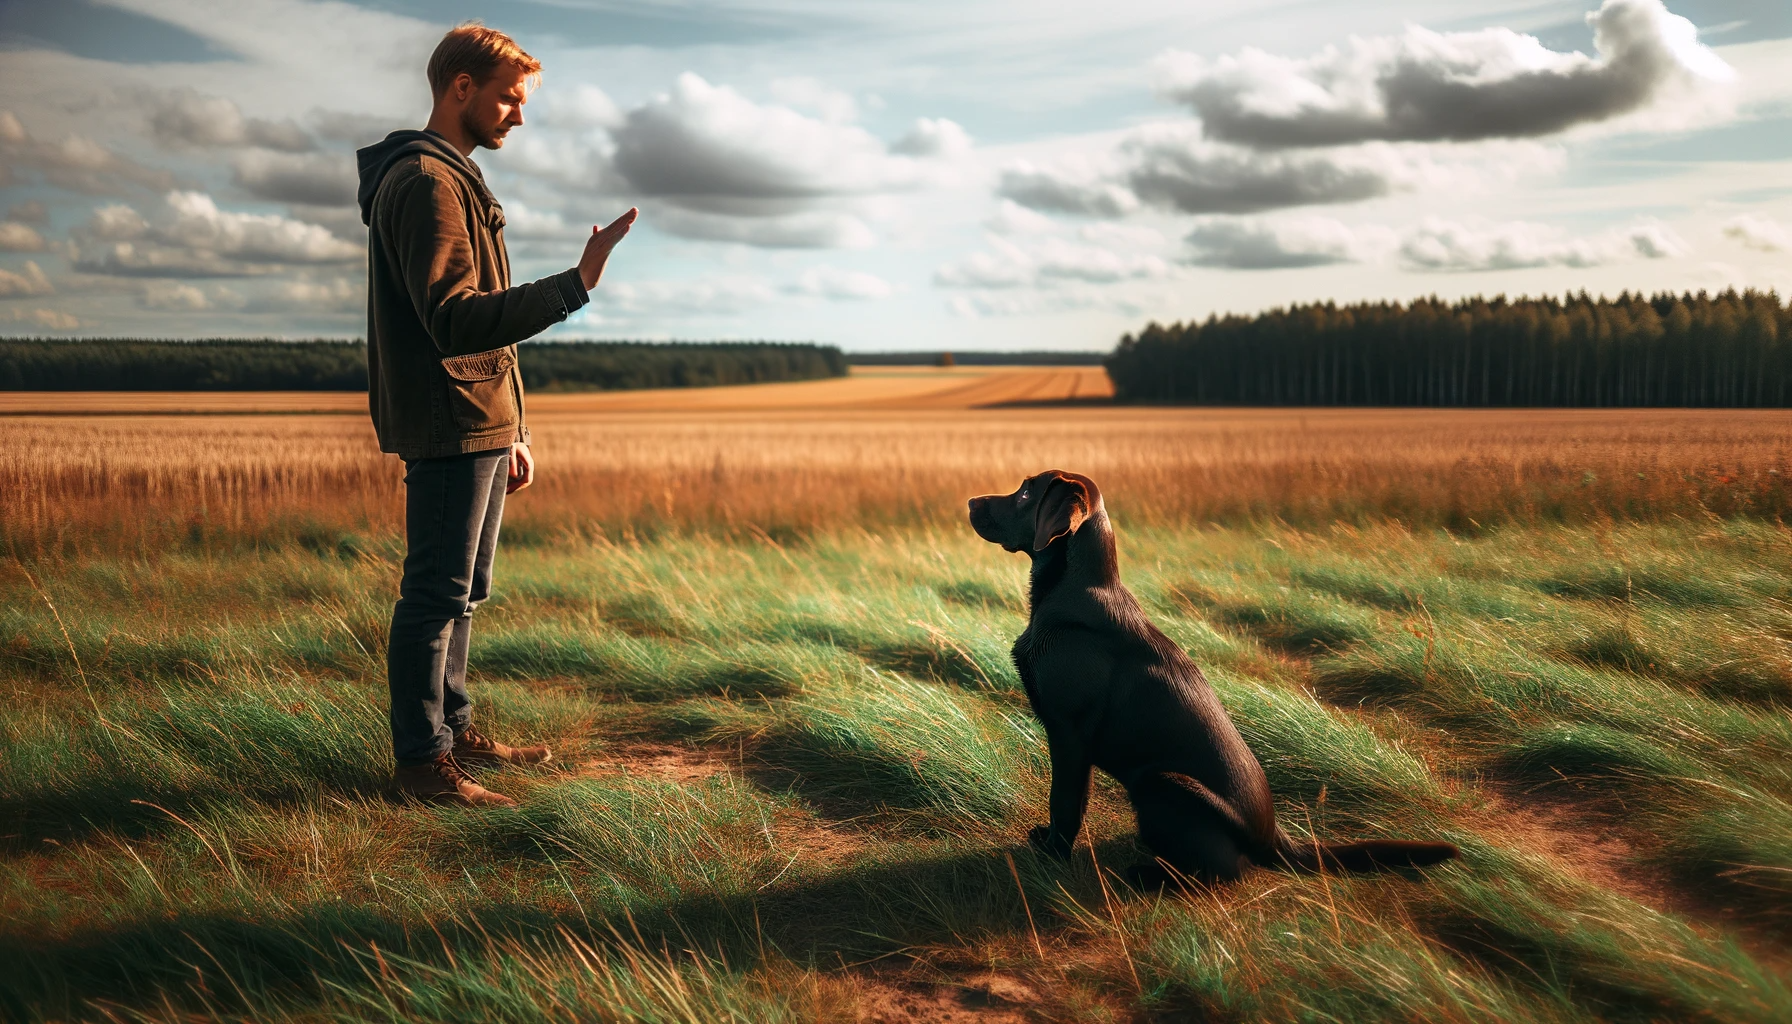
885	445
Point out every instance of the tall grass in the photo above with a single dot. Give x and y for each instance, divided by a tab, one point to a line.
150	482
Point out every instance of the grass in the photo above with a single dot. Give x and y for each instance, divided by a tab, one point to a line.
793	780
794	767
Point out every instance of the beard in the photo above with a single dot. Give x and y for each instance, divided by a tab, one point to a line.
484	136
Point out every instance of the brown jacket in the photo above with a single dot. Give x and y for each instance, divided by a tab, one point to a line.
442	318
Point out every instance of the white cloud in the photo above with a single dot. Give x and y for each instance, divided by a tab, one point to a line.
116	222
317	179
835	283
526	222
193	238
336	295
30	280
16	237
1426	86
173	295
1440	245
935	137
1282	243
710	148
1171	166
1757	232
74	163
185	118
1174	168
197	223
1073	186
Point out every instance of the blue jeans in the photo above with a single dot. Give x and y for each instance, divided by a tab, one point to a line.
452	507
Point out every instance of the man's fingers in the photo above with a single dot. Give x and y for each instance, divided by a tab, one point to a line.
620	225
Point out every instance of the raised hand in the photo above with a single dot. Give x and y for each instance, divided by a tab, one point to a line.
598	246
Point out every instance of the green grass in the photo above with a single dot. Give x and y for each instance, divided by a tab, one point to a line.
790	776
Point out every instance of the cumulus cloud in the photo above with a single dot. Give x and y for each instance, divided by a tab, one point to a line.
336	295
1432	86
712	148
1044	261
1440	245
835	283
193	238
29	280
1074	186
74	163
935	137
1758	232
16	237
1172	169
1282	243
522	221
317	179
174	296
819	229
185	118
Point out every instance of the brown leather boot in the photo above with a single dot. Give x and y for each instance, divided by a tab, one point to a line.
443	781
476	748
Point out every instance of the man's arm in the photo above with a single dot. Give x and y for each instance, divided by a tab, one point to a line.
436	258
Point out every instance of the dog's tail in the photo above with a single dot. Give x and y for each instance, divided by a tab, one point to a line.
1367	855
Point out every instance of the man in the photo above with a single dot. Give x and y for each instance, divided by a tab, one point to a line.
445	393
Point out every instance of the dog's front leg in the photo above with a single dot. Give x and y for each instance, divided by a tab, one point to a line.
1071	772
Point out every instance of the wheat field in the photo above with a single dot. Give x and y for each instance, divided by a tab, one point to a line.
904	445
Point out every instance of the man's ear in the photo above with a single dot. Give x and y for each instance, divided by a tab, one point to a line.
1062	509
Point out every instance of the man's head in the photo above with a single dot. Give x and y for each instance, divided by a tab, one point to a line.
481	78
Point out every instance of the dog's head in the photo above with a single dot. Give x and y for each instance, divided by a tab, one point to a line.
1046	508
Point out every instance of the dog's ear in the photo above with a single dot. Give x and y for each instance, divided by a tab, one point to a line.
1062	509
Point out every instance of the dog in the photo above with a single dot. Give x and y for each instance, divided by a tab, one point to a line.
1115	693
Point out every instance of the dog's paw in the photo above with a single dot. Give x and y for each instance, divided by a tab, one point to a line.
1046	841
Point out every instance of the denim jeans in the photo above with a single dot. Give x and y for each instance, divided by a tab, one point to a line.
452	507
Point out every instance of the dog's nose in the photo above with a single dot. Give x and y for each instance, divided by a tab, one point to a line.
977	503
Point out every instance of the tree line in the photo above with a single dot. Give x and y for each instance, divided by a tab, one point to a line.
1730	350
127	364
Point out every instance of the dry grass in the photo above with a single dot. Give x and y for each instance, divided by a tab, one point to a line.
899	447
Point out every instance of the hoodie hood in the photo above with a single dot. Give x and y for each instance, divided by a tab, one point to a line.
375	160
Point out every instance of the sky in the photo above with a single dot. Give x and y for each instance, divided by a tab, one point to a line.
931	174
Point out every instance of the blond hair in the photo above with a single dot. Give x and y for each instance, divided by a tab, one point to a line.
472	49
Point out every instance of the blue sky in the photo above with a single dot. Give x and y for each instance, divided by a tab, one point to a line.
925	174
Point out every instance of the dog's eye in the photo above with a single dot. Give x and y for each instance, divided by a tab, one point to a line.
1023	494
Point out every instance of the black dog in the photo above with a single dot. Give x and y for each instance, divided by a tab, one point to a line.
1114	693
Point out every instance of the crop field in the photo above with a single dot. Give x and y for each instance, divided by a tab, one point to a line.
793	767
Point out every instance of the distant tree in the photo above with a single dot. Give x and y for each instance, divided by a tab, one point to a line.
123	364
945	360
1729	349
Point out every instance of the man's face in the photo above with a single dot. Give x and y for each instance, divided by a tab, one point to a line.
495	107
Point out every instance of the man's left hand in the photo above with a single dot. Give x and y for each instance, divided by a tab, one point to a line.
522	468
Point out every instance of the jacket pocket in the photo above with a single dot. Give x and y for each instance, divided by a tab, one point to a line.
480	397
